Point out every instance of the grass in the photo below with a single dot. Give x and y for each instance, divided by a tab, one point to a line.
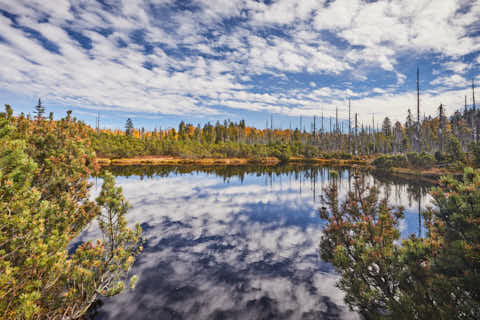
179	161
166	160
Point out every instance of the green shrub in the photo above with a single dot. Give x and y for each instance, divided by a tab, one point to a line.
399	161
383	163
345	156
439	157
475	149
420	160
426	160
385	277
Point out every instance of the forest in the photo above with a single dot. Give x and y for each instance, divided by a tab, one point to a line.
419	142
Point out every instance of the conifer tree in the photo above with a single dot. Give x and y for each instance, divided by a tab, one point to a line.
39	110
45	169
436	277
129	127
8	111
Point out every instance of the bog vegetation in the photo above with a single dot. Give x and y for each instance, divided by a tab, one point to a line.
45	166
431	277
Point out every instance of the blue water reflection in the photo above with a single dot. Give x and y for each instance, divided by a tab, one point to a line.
242	245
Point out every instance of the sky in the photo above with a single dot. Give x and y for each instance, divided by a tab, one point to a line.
162	61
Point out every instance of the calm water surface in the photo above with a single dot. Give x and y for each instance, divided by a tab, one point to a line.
236	243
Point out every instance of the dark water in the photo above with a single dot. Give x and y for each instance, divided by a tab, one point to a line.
237	243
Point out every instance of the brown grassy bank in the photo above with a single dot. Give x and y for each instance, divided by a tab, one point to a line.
161	160
166	160
432	174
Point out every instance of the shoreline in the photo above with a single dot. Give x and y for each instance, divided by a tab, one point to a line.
163	160
432	174
269	161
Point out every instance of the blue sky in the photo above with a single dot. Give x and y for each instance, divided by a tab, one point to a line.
159	61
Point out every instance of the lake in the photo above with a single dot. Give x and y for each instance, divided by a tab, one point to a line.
237	242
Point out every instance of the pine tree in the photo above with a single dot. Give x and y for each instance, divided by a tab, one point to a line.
42	211
387	127
182	130
129	127
8	111
39	110
436	277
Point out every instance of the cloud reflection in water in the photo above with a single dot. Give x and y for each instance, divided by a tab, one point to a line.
235	249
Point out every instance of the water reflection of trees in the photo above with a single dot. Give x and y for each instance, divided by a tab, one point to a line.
227	172
309	179
308	176
416	191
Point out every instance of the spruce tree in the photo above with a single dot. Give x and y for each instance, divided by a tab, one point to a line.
39	110
129	127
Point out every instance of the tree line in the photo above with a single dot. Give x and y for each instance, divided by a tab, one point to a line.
438	137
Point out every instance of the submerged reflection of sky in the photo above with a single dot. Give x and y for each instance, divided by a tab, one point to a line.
232	248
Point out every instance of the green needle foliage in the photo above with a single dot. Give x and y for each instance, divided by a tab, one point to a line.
454	235
120	243
436	277
475	147
44	170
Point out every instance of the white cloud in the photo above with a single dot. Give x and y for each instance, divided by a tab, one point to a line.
423	24
400	78
450	81
282	11
338	15
402	25
379	90
455	66
180	82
